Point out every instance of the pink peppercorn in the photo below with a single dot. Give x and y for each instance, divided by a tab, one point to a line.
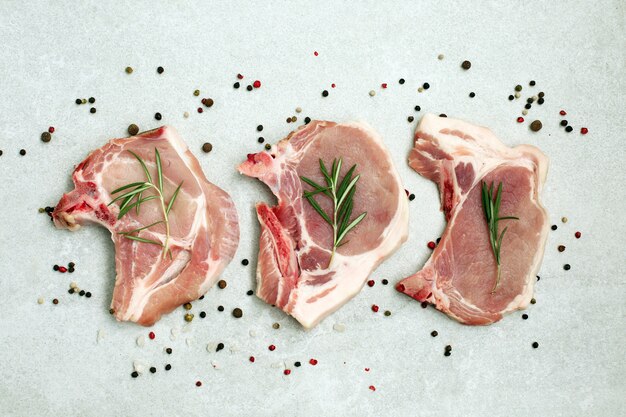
370	283
313	362
51	129
520	119
374	308
271	347
256	84
384	85
315	53
62	269
562	112
577	235
373	388
151	335
200	110
239	76
252	359
431	245
287	371
198	383
333	85
584	130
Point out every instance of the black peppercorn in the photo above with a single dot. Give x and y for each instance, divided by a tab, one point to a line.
245	262
511	97
554	227
202	314
472	94
297	364
540	101
535	345
426	86
524	316
168	367
157	116
92	100
434	333
249	87
261	139
236	85
134	374
22	152
411	197
325	93
160	70
220	346
569	129
532	83
567	267
410	119
563	122
152	369
78	101
307	120
401	81
220	308
169	351
250	292
466	65
385	281
418	108
259	128
92	110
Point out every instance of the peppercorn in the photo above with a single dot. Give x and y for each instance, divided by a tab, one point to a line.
567	267
152	369
387	313
563	122
133	129
424	304
237	313
196	93
111	311
533	301
198	383
401	81
249	87
448	348
208	102
188	317
245	262
129	70
297	364
288	119
168	367
426	86
70	270
187	306
222	284
135	374
220	346
569	129
22	152
410	119
168	350
527	106
160	70
583	131
372	93
384	281
271	348
250	292
554	227
207	147
561	248
466	65
261	139
536	125
92	100
55	268
472	94
525	316
307	120
518	88
236	85
71	291
434	333
325	93
268	146
202	314
443	115
78	101
158	116
46	137
55	301
71	265
535	345
88	294
81	293
577	235
417	108
511	97
276	325
411	197
287	371
83	101
540	101
92	110
532	83
259	128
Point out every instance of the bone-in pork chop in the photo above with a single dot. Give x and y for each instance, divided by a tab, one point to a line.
295	271
461	276
203	226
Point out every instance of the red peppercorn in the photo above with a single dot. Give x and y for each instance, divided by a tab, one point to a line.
271	347
239	76
562	112
384	85
374	308
333	85
584	130
577	235
313	362
200	110
51	129
198	383
315	53
287	371
373	388
62	269
256	84
252	359
367	369
431	245
151	335
371	282
520	119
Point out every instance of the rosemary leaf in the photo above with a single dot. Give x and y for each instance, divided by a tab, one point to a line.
143	165
133	184
171	203
135	204
157	160
141	228
141	239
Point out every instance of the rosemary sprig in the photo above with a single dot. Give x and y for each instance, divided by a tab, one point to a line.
133	199
341	193
491	205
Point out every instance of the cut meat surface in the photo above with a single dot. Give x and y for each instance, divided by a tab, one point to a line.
295	247
204	230
461	273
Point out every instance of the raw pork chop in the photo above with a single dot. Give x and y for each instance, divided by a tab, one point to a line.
293	270
203	220
461	273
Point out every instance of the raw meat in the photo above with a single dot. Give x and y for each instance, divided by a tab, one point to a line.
293	271
460	275
203	220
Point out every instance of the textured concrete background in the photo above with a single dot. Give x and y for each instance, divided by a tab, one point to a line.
54	52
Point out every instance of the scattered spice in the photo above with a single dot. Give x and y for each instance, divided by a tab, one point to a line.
297	364
88	294
434	333
410	119
222	284
385	281
92	110
520	120
62	269
237	313
466	65
424	304
135	374
133	129
387	313
46	137
411	197
371	283
202	314
564	122
511	97
187	306
584	130
188	317
200	110
208	102
325	93
207	147
372	388
287	371
554	227
256	84
220	346
250	292
245	262
236	85
198	383
22	152
91	100
536	125
533	301
158	116
384	85
81	293
440	56
567	267
401	81
160	70
259	128
249	87
426	86
524	316
129	70
472	94
276	326
196	93
168	351
535	345
261	139
239	77
562	112
418	108
577	235
40	300
152	369
374	308
168	367
313	362
55	301
307	120
251	359
561	248
569	129
151	335
518	88
271	348
372	93
431	245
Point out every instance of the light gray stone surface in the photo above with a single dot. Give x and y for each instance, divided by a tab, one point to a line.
74	359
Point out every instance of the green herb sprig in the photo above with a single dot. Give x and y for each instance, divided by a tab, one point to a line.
491	206
341	193
133	199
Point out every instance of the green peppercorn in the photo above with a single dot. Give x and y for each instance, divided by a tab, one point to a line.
188	317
